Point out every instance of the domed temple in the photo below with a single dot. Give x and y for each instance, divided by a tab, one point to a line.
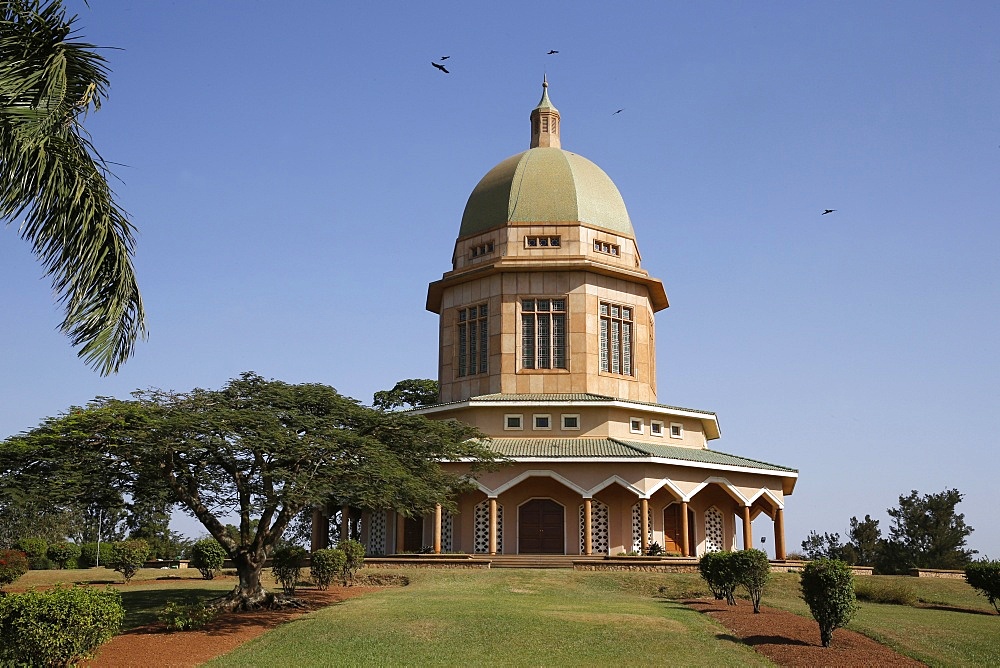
547	345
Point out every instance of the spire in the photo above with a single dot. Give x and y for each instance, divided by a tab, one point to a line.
545	121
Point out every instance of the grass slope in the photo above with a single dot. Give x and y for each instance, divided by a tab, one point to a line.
502	617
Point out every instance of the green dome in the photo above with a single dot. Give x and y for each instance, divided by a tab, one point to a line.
546	184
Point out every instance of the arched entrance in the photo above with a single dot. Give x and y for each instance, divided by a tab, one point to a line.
672	528
541	528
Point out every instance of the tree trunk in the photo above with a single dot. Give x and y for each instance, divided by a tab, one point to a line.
249	593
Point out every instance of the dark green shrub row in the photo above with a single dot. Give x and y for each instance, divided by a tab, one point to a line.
828	589
724	572
208	556
877	590
984	576
13	564
57	627
88	555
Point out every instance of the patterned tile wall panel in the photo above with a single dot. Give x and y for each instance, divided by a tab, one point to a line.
599	542
714	535
637	526
483	528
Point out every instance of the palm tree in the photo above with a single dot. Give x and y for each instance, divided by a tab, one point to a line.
55	184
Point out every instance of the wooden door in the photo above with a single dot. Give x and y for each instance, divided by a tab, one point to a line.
540	525
672	528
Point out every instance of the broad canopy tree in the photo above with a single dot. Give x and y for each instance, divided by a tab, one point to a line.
262	450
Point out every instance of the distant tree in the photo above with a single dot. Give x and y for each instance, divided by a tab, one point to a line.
128	556
260	450
865	537
55	185
826	546
926	532
413	393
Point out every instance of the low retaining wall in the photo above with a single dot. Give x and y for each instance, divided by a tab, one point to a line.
937	573
427	561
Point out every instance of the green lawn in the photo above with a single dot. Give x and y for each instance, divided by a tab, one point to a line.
542	617
502	617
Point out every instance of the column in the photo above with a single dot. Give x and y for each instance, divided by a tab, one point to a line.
493	525
644	523
779	534
588	537
437	528
345	523
747	529
400	532
316	543
685	530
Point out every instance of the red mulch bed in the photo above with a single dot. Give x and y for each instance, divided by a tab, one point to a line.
153	647
791	640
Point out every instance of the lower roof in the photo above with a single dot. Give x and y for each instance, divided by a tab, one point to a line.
597	449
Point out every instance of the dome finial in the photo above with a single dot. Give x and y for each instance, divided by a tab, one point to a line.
545	120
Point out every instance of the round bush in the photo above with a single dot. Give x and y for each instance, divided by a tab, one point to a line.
63	553
984	577
128	556
13	564
326	565
208	556
57	627
286	566
828	589
355	553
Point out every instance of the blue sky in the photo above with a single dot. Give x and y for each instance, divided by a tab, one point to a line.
298	176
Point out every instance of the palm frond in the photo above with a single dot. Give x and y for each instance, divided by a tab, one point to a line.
55	184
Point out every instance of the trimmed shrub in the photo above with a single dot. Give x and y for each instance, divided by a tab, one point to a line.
181	617
717	568
208	556
35	549
63	553
875	589
984	577
355	553
128	556
752	571
327	565
13	564
828	589
88	555
57	627
286	566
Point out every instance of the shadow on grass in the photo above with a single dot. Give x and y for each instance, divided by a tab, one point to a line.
143	605
952	608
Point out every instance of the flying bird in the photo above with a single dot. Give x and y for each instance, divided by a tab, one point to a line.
618	112
826	211
444	57
551	52
440	67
